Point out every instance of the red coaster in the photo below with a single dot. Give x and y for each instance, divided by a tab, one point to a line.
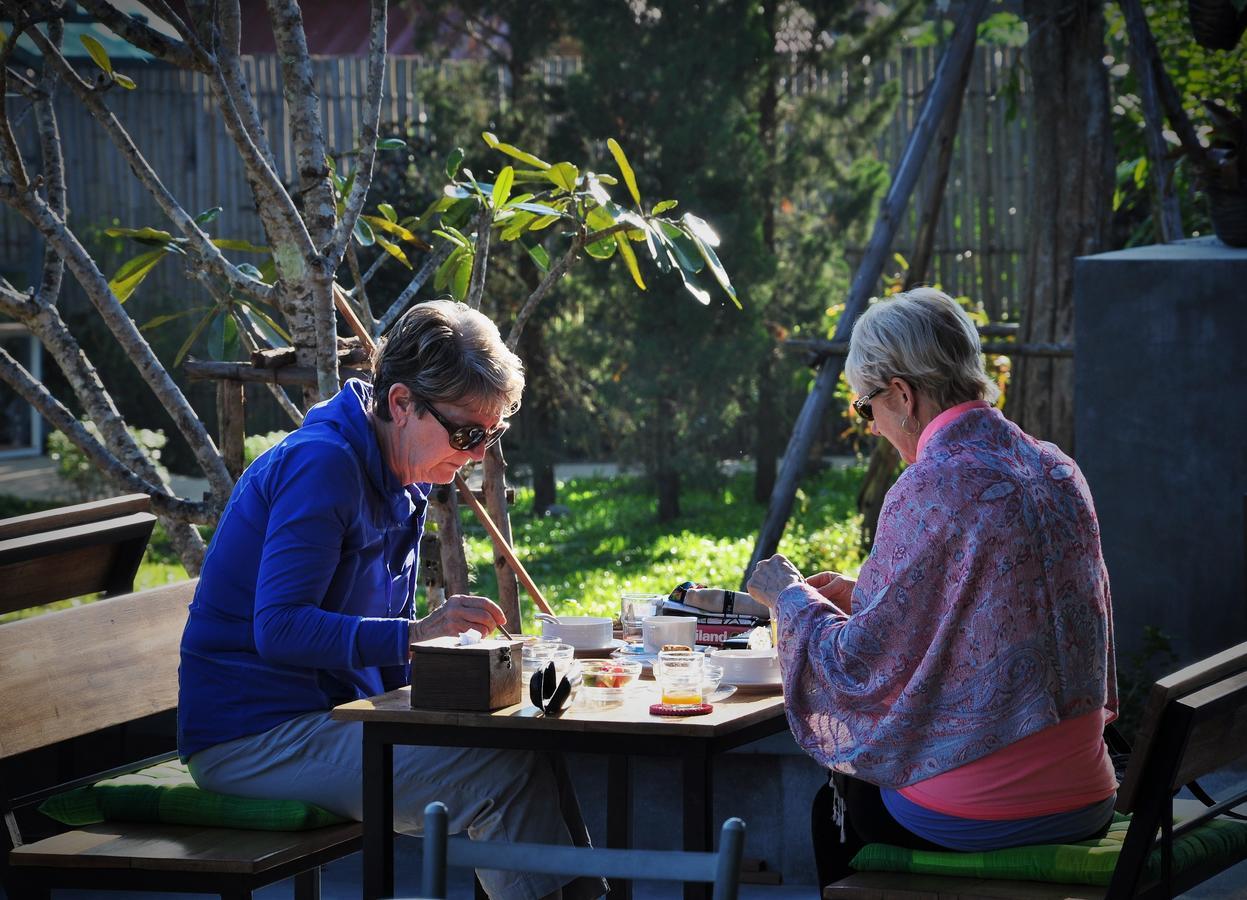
666	709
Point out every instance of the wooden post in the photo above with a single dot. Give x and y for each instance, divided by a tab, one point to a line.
943	86
494	485
444	511
231	424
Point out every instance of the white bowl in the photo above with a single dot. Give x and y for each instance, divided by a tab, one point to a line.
582	632
746	666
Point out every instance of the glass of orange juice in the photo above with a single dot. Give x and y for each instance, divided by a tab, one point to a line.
680	677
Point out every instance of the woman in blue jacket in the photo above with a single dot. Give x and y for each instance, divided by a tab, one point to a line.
306	598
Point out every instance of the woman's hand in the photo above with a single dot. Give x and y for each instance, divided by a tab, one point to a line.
459	613
770	577
834	587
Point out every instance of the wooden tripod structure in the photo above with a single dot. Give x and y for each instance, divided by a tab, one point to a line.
947	87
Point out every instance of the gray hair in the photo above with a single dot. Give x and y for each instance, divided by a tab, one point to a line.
447	352
923	337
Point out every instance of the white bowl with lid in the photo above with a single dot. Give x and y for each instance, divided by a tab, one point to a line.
582	632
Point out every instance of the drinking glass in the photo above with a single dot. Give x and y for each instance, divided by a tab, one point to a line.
633	607
679	674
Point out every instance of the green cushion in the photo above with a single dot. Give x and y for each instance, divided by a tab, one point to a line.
167	793
1087	862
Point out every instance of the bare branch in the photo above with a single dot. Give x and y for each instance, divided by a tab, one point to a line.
230	19
607	232
480	259
66	244
284	401
372	270
427	268
53	270
24	84
200	243
363	307
34	393
147	38
306	131
367	135
557	271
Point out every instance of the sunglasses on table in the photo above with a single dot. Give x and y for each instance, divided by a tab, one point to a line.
862	406
467	437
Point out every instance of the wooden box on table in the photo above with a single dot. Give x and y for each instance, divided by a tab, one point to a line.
482	676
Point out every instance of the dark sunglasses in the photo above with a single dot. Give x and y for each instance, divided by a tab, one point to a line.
467	437
549	693
862	406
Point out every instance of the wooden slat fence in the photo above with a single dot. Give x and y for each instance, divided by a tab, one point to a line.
979	242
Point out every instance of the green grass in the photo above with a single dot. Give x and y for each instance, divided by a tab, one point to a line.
609	541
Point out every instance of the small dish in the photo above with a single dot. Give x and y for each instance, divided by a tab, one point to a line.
605	681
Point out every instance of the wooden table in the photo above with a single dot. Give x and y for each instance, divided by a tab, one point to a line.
619	732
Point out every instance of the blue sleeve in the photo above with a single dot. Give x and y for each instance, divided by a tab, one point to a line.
315	496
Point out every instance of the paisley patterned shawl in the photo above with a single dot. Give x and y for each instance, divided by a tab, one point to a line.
981	617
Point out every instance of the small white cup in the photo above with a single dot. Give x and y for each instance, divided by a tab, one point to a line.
659	630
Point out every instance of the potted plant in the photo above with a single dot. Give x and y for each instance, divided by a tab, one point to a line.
1223	171
1217	24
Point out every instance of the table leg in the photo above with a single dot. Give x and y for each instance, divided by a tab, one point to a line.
378	838
619	814
698	810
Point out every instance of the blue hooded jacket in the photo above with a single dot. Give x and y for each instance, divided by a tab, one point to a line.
308	586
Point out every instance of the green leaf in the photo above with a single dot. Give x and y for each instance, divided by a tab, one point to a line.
539	208
252	272
716	267
539	256
391	143
543	222
690	284
223	343
629	258
453	162
698	227
132	273
125	81
462	278
265	323
502	187
687	256
394	250
662	206
564	175
154	236
625	169
516	226
194	335
156	322
513	151
391	227
441	278
238	244
388	211
454	235
363	233
208	215
608	180
97	52
459	212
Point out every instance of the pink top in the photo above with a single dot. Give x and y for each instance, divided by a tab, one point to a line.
1059	769
947	417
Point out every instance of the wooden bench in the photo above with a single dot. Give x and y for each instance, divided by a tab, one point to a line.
1194	723
73	672
73	551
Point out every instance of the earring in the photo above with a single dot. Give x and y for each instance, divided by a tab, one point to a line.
905	426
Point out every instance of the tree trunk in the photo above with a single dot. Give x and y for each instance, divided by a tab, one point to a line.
495	487
444	512
1072	166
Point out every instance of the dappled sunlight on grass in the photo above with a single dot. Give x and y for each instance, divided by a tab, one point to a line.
609	541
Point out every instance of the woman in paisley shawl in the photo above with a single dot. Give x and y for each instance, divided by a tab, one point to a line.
959	688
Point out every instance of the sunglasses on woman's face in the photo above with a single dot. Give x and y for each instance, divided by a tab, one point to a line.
467	437
862	406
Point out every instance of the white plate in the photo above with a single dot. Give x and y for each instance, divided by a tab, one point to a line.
722	692
600	652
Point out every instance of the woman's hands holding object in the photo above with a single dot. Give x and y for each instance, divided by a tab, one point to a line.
834	587
770	577
459	613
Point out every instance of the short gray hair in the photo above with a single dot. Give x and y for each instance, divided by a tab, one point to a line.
923	337
447	352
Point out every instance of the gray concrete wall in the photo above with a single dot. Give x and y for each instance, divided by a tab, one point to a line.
1161	434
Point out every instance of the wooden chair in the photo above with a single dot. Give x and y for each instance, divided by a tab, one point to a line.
721	868
74	672
73	550
1194	723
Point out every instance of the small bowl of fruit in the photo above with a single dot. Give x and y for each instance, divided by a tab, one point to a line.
607	681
